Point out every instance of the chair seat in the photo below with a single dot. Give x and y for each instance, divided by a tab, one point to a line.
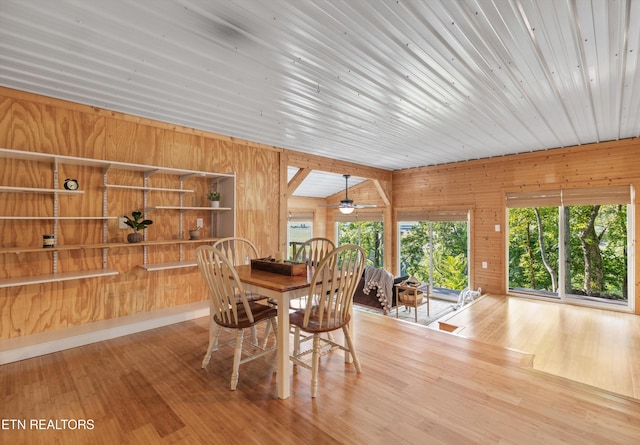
297	319
260	312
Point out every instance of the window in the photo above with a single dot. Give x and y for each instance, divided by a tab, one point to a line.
433	247
572	245
365	230
299	230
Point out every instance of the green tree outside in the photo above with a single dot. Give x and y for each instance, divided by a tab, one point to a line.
595	247
447	259
367	234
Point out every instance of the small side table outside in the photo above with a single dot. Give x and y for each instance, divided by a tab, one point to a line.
412	297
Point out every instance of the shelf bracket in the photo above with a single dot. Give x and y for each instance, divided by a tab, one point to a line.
149	173
54	263
104	213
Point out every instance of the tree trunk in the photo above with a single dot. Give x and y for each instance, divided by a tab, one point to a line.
590	242
567	250
532	272
543	253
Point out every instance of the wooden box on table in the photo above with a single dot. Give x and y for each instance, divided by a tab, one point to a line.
282	268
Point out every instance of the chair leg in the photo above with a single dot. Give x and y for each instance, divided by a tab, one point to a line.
267	328
296	341
315	364
214	333
237	355
274	327
254	335
216	338
352	350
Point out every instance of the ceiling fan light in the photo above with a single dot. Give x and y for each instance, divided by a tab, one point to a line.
346	206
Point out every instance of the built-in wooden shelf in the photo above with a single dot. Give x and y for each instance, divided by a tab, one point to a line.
31	249
72	160
222	224
167	242
52	278
60	218
4	188
147	189
166	266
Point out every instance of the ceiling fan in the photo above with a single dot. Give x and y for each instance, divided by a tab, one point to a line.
347	205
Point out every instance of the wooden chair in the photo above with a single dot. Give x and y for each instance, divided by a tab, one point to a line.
241	251
329	306
313	250
230	308
237	250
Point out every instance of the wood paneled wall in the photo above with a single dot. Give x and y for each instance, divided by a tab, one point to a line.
35	123
481	185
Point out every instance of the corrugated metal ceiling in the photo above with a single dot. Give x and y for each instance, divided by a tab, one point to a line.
322	184
390	84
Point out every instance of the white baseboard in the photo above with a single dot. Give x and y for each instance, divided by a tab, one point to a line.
21	348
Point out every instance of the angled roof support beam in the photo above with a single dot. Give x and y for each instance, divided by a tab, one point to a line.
295	182
381	192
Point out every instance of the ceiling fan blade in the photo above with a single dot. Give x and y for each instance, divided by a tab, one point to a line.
355	206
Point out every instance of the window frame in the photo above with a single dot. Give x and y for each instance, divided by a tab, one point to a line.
561	198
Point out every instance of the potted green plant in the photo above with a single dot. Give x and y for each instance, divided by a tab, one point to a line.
214	197
137	222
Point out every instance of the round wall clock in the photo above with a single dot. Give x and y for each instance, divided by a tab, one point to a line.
71	184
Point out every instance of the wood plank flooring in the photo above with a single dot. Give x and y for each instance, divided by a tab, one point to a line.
592	346
418	386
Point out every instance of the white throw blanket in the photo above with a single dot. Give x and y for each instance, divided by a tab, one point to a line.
383	280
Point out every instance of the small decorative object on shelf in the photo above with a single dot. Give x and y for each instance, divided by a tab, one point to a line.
48	241
214	197
71	184
195	234
137	223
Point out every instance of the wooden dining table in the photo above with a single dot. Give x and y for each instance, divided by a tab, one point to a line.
282	288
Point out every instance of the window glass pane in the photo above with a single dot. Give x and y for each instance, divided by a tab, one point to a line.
533	250
435	252
298	233
366	234
414	249
450	263
592	240
596	254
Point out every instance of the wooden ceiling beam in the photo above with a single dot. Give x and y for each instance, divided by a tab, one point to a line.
381	192
295	182
313	162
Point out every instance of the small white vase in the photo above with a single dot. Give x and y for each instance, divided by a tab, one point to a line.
215	203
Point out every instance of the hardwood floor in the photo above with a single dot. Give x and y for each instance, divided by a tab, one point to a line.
592	346
418	386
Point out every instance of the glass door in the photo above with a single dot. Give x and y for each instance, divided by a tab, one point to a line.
436	251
